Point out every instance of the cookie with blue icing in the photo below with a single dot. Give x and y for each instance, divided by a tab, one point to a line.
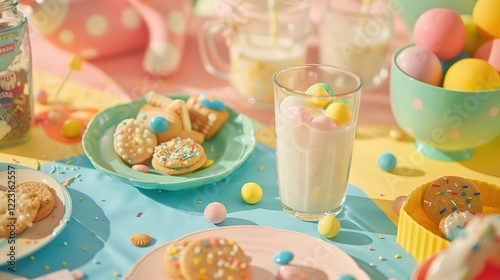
207	113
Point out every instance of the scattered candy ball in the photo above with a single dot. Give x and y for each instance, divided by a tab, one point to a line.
41	96
319	89
340	112
329	226
283	257
141	168
72	128
440	30
323	123
215	212
398	203
422	64
387	162
251	193
486	17
345	277
472	74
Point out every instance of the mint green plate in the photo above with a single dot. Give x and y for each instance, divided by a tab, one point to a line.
230	147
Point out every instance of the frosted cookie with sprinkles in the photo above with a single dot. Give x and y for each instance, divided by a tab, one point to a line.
178	156
449	194
133	141
20	218
171	258
214	258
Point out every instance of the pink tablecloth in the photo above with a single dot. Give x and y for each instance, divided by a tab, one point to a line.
123	75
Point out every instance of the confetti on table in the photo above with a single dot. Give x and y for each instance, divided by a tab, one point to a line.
32	258
138	214
381	258
116	274
15	160
397	256
370	248
46	267
380	237
84	249
261	167
65	243
64	263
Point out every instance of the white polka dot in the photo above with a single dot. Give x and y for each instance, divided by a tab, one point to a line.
97	25
89	53
66	36
417	104
162	57
176	22
130	18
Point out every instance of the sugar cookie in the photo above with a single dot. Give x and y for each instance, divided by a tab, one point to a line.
44	193
214	258
449	194
133	141
140	239
171	258
207	114
26	207
178	156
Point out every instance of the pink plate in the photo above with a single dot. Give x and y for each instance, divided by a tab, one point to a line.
320	260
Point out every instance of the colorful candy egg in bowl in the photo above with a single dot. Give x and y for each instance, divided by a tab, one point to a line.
445	124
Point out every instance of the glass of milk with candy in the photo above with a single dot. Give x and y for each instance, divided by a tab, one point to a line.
355	34
316	112
258	38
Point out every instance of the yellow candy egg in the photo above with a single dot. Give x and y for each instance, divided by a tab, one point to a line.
329	226
486	17
251	193
340	112
71	128
319	89
472	38
471	74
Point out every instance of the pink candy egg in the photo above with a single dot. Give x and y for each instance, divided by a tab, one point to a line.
421	64
298	115
324	123
490	51
141	168
215	212
442	31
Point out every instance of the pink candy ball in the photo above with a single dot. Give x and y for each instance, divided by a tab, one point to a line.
421	64
442	31
215	212
41	96
490	51
324	123
298	115
398	203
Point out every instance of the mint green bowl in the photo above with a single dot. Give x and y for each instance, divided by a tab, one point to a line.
446	124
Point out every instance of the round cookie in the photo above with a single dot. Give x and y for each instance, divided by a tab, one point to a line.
47	199
27	204
178	156
171	259
133	141
449	194
454	223
148	112
214	258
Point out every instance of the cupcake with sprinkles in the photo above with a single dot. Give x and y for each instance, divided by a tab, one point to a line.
178	156
474	254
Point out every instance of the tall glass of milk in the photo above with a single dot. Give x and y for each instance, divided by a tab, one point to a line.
260	38
355	34
316	112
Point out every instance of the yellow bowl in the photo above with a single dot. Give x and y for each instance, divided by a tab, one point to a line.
419	236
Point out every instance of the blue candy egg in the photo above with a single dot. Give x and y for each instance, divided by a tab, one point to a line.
387	162
283	257
158	124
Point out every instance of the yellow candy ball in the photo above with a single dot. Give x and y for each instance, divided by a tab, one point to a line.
329	226
471	74
251	193
319	89
472	38
340	112
485	16
72	128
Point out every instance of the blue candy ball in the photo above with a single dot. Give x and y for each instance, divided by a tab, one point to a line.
387	162
158	124
283	257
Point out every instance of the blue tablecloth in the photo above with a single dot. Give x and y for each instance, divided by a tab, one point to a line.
105	215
